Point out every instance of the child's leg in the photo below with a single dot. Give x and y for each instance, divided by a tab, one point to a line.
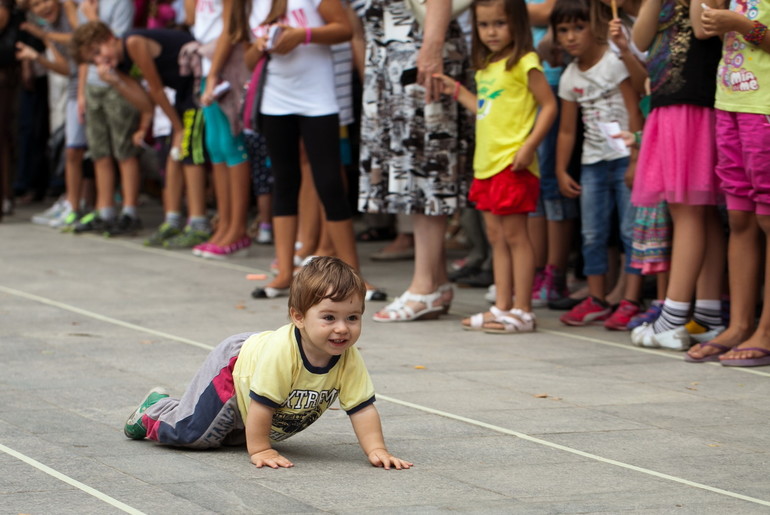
687	255
221	177
522	258
73	175
707	312
208	410
240	192
502	264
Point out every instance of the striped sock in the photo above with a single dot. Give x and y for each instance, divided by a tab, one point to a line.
674	315
708	313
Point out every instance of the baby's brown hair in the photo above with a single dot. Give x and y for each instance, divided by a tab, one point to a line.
325	278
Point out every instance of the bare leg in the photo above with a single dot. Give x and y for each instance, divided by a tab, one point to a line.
195	179
131	181
105	182
502	261
240	190
540	237
688	249
744	261
309	204
284	234
73	175
172	192
761	337
222	192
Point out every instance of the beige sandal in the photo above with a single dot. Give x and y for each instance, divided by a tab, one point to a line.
513	321
478	320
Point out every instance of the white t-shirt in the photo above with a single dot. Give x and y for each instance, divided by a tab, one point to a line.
207	27
302	81
598	93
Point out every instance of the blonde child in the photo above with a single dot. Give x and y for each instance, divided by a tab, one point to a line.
743	166
265	387
511	85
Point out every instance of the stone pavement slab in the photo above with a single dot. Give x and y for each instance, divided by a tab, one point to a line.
566	420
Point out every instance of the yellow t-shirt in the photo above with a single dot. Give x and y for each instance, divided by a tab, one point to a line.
272	369
505	116
743	75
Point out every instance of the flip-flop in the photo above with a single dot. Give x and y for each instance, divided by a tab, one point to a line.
749	362
711	357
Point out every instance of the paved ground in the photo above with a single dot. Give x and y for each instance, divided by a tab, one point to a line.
562	421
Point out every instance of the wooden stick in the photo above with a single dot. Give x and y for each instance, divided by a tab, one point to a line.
614	6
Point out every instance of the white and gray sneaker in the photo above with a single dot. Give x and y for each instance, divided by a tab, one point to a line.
51	213
66	217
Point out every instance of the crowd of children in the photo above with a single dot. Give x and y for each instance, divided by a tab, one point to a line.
637	121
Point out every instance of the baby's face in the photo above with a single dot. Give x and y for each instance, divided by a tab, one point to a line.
329	328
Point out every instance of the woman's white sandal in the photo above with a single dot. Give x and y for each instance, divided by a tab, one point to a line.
399	311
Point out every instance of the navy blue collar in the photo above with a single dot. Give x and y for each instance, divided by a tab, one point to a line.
308	366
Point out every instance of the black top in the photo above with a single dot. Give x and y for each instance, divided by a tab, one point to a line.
167	62
682	68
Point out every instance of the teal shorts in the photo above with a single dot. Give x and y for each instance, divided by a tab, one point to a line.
221	145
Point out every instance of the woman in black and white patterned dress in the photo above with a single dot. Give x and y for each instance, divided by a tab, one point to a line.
413	141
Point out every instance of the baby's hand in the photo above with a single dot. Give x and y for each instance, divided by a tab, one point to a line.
447	83
382	458
271	458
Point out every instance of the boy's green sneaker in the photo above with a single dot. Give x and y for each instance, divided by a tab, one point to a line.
166	231
187	239
68	224
134	428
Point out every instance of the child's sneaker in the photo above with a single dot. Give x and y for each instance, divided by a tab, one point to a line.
619	319
554	286
648	317
702	334
52	213
588	311
166	231
134	427
90	223
188	239
539	292
125	225
265	234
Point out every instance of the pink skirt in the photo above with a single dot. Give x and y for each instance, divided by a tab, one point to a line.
678	158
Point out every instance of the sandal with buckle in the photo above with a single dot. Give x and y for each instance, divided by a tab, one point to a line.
478	320
513	321
399	311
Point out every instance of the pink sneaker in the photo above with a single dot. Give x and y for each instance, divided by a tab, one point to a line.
620	318
539	293
238	248
590	310
198	250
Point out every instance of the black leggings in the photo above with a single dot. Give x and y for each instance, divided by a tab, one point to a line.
321	136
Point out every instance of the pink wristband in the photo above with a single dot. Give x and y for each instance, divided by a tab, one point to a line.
307	35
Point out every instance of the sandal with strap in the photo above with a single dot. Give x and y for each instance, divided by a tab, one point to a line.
400	311
514	321
478	320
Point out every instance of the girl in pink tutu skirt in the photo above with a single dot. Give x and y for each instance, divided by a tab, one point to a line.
677	163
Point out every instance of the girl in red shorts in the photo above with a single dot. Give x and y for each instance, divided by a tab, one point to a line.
510	85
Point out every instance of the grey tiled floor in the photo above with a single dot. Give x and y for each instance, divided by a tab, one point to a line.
561	421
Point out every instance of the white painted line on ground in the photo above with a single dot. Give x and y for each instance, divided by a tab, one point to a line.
564	448
103	318
73	482
426	409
